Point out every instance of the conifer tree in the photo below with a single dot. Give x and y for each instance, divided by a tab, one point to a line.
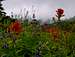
2	13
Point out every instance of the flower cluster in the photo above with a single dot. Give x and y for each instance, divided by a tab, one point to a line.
15	27
60	13
54	32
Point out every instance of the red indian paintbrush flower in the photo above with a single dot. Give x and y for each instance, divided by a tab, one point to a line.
15	27
55	33
60	12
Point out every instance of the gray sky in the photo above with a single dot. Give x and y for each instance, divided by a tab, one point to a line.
43	8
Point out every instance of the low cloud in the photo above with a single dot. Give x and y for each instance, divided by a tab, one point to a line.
44	8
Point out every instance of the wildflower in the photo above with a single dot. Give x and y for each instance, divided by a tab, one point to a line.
59	13
38	54
5	45
15	27
55	32
38	51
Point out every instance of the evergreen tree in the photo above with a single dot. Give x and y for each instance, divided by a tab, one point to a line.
2	13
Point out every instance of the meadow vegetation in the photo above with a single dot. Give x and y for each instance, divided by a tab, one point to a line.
31	39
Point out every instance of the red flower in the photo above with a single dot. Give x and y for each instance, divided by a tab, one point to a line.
15	27
60	11
55	32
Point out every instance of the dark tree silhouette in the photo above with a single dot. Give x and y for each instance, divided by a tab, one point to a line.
2	13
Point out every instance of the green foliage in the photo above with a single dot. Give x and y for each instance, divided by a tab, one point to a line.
27	44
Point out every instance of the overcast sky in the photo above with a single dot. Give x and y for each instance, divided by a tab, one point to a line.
43	8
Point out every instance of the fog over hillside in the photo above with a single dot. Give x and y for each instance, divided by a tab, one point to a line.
43	8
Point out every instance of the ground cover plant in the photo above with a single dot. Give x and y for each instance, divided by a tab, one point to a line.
34	41
31	39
